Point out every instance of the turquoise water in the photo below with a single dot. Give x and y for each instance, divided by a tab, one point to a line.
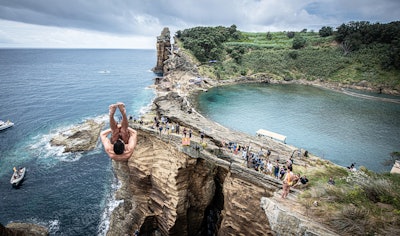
337	127
44	91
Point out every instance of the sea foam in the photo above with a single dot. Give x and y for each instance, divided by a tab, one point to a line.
43	150
111	204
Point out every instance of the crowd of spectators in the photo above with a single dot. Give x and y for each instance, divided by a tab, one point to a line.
258	160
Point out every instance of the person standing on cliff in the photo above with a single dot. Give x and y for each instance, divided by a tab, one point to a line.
288	181
276	169
123	138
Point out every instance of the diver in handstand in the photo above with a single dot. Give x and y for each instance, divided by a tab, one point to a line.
123	138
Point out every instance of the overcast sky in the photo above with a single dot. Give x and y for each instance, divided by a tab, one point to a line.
137	23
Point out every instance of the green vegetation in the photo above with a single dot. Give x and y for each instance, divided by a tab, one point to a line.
360	203
357	51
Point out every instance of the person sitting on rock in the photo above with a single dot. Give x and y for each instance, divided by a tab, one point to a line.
123	138
303	181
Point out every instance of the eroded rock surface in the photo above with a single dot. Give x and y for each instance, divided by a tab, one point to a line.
286	221
163	48
23	229
163	190
79	138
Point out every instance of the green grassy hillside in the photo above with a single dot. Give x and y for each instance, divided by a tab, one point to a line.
273	54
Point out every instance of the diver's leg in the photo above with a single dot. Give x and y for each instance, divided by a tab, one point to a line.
124	123
113	123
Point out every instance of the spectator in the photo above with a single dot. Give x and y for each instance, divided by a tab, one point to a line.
244	153
289	164
276	169
331	181
269	167
303	181
282	172
261	153
288	181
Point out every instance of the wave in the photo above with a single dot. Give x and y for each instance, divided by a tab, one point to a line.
111	204
53	226
104	72
41	148
145	109
365	96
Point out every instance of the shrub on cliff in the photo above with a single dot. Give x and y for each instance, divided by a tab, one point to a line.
206	43
326	31
298	42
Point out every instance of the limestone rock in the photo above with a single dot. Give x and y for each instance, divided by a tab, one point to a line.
79	138
287	222
396	167
163	190
23	229
163	50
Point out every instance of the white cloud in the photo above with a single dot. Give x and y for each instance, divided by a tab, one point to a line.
136	23
14	34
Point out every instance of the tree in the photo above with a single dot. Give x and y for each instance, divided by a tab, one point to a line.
325	31
178	34
232	29
290	34
206	43
298	42
269	36
346	47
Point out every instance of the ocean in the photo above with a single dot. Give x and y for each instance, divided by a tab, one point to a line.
45	91
341	128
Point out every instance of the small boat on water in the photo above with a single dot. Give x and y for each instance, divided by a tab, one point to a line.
17	176
5	125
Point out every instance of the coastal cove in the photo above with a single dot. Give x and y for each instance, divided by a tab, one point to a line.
341	128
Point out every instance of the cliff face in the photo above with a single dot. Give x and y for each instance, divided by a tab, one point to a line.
164	190
200	189
178	190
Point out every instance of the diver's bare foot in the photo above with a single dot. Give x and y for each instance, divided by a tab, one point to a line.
121	107
112	108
